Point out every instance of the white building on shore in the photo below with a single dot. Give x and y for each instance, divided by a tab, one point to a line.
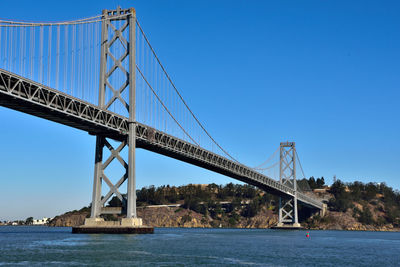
40	221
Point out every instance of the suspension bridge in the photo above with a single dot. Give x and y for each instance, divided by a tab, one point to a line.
101	75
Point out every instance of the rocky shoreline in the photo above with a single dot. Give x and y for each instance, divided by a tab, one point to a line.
177	217
345	221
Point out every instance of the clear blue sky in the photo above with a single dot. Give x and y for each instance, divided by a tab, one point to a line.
324	74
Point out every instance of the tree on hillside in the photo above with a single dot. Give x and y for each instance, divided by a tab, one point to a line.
171	195
252	209
342	200
371	189
356	189
249	191
115	202
29	221
366	216
320	182
338	188
312	182
192	203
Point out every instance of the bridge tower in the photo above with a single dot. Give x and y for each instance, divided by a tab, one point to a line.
288	217
110	63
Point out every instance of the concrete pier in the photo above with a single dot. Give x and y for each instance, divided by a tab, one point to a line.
288	226
125	226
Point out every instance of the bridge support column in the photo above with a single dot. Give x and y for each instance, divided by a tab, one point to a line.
288	217
131	194
131	209
96	196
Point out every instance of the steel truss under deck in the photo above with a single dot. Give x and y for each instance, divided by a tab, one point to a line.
24	95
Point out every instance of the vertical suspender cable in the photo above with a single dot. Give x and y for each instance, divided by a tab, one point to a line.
7	50
151	95
83	60
49	57
33	51
6	30
83	57
11	49
97	64
93	65
26	42
14	48
8	54
89	42
86	77
65	57
58	56
143	88
168	102
87	59
3	47
21	48
79	62
32	41
73	59
7	44
41	56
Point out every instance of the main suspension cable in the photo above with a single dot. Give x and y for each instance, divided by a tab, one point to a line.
180	96
298	159
259	167
158	98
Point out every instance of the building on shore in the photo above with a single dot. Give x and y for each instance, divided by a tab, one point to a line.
41	221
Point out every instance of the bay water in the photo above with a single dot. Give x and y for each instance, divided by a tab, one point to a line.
47	246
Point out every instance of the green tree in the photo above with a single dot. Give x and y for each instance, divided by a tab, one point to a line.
312	182
249	191
192	203
320	182
356	189
29	221
115	202
366	216
370	192
252	209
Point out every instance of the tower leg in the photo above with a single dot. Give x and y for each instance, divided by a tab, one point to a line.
131	208
131	216
96	196
296	217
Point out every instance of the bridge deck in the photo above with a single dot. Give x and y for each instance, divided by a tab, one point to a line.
24	95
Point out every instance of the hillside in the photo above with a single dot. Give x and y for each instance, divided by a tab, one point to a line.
358	206
211	205
354	206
